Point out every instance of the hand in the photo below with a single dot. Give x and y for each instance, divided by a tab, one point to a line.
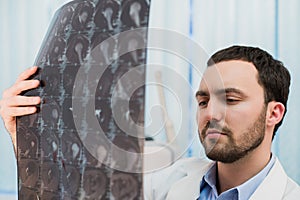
13	104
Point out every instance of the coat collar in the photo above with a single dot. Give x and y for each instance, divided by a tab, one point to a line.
275	183
189	186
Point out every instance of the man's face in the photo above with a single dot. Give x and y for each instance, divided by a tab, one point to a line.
231	111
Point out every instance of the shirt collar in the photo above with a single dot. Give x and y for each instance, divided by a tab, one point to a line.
246	189
210	179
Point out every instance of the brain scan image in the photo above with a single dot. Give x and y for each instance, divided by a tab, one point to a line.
50	113
97	150
50	176
29	171
122	115
49	145
71	180
51	81
68	80
138	92
77	49
82	16
67	115
28	194
129	82
60	153
63	25
57	48
94	183
106	16
125	151
28	149
71	148
31	121
133	12
49	195
102	49
104	87
103	114
131	43
137	112
124	186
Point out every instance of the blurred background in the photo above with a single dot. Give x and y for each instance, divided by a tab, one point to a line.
272	25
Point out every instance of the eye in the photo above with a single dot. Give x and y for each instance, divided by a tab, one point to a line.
202	103
231	100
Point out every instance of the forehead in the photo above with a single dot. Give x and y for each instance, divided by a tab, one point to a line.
237	74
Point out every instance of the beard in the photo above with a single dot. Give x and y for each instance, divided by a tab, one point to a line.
233	149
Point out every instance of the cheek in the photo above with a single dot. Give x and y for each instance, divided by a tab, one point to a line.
200	120
239	120
235	122
197	117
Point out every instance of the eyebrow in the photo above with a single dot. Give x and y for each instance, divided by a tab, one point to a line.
201	93
221	92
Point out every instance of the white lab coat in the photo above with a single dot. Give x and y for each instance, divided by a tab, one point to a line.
182	181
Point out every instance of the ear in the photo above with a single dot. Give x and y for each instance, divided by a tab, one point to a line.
274	113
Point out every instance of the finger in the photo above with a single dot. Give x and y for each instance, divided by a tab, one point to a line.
20	111
26	74
16	101
21	86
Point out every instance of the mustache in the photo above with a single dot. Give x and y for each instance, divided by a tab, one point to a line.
213	124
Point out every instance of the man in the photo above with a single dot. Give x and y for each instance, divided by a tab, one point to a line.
241	103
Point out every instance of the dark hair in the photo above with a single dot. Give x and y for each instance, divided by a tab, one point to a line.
272	75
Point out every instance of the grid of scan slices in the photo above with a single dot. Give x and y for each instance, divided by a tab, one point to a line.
54	160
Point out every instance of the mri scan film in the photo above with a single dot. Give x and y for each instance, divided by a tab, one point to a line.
86	139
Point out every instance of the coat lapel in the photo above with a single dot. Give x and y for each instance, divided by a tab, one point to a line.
189	186
273	186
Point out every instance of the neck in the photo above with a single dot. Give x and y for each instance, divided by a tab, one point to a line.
230	175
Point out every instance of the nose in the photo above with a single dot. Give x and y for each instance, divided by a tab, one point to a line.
214	110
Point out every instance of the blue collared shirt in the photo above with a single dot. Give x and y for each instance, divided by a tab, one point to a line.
208	190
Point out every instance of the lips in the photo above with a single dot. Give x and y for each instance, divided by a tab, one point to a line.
214	133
